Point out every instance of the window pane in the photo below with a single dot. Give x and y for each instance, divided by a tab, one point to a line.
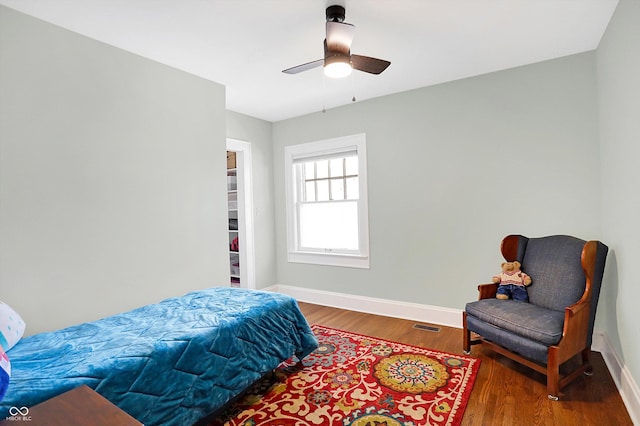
323	190
308	170
310	191
352	166
353	190
322	169
329	225
336	167
337	189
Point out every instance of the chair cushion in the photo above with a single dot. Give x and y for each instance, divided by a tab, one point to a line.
523	319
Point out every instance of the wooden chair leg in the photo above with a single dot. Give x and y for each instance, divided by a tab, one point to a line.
553	375
586	360
466	336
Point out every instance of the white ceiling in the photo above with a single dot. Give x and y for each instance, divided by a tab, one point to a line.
245	44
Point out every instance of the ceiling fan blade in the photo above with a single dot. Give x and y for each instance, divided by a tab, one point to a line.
368	64
339	36
304	67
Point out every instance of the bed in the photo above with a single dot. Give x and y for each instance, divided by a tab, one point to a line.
170	363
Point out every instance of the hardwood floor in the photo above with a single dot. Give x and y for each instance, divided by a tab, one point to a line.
505	393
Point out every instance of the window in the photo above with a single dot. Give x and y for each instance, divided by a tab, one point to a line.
327	217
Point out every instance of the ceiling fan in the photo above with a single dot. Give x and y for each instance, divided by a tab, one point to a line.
338	60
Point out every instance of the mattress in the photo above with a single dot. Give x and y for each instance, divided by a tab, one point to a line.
169	363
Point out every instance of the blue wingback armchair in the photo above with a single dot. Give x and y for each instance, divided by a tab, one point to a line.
557	323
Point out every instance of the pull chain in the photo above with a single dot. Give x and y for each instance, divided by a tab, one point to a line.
324	95
353	88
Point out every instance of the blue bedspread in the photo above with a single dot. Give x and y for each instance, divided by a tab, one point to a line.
170	363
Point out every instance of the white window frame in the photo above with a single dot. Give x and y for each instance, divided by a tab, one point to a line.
293	154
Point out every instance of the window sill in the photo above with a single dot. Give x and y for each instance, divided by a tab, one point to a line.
330	259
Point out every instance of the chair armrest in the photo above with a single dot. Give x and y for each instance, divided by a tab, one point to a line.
487	291
576	327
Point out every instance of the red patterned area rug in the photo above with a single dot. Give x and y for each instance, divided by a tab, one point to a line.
357	380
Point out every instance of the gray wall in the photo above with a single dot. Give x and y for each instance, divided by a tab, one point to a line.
258	133
455	167
619	101
112	187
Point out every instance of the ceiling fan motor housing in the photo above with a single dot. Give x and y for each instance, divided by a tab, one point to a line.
335	13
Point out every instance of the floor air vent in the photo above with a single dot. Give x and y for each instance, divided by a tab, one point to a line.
426	327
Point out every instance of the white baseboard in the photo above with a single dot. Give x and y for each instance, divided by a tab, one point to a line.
627	386
371	305
620	373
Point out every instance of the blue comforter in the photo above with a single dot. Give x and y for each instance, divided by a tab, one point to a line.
170	363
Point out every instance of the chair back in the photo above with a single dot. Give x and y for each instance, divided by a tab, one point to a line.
554	265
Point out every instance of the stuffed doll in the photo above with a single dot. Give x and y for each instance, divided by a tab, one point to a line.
5	372
512	282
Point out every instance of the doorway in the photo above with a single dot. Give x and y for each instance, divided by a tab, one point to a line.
240	201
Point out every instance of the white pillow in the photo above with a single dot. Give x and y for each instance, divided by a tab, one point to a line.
11	327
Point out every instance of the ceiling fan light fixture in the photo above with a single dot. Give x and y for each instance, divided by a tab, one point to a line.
337	66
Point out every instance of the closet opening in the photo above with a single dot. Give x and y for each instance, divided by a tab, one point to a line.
240	214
